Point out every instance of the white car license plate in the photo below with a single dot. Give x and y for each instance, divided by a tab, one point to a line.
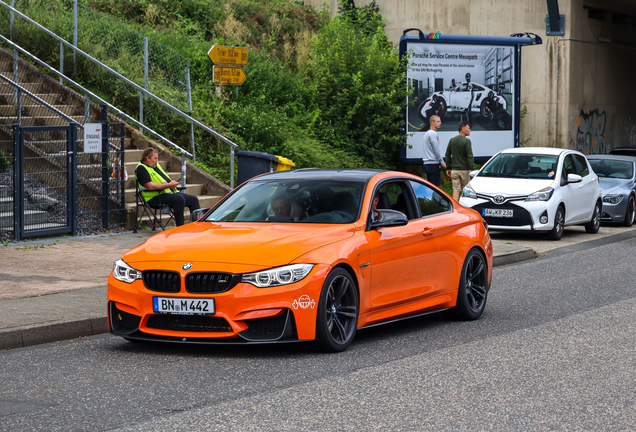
505	213
183	306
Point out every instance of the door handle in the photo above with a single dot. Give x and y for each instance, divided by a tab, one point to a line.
428	232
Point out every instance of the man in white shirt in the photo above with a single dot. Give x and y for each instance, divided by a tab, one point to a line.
432	156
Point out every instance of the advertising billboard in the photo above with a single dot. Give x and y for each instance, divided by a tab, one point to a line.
462	78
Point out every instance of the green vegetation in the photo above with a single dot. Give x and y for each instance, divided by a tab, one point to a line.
4	163
324	91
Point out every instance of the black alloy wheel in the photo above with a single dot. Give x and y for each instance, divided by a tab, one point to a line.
485	110
595	223
559	222
337	319
473	287
630	212
502	119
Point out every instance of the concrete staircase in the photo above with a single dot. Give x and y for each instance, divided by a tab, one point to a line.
208	189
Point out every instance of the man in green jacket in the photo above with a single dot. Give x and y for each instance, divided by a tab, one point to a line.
459	159
160	188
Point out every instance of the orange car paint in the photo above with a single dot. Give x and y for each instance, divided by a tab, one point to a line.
404	277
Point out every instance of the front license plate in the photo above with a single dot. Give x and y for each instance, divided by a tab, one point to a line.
505	213
183	306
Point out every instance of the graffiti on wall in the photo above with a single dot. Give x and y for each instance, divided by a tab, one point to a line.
590	137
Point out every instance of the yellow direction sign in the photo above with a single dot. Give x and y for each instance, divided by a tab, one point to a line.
228	75
228	55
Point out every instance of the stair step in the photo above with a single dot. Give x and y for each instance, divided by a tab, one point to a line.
131	165
48	120
205	201
130	184
192	189
31	217
50	98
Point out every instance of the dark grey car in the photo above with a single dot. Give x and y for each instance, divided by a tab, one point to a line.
617	177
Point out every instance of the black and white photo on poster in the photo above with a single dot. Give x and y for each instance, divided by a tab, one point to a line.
459	82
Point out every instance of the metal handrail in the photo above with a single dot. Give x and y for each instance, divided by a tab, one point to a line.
136	86
120	76
91	94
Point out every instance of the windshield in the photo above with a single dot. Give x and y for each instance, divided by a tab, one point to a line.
612	168
292	201
518	165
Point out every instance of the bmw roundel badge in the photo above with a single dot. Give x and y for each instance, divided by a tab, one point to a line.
186	266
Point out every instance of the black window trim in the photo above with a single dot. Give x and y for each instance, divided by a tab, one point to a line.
409	200
417	207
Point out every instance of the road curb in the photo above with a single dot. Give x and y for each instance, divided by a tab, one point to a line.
52	332
513	257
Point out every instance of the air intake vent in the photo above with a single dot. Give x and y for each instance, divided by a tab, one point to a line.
189	323
208	283
162	281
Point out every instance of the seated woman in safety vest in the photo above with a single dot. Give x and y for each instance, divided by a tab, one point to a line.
161	189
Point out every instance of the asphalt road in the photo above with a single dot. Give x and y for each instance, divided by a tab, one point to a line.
553	351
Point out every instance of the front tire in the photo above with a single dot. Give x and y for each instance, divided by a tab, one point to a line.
473	287
337	320
630	212
559	222
594	224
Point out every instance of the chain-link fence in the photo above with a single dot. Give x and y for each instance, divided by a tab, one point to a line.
144	61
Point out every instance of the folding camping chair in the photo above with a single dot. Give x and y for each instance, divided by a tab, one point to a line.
153	212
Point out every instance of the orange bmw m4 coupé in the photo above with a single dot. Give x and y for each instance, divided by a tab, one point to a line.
305	255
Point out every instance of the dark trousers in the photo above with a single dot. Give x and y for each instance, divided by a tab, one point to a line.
178	202
433	174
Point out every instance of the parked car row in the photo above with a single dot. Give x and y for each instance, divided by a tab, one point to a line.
546	189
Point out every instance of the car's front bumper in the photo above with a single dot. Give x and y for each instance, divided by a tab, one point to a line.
244	314
614	212
526	214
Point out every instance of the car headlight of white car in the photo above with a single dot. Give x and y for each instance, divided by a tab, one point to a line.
542	195
468	192
613	199
278	276
125	273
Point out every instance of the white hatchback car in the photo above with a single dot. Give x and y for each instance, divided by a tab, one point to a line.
536	189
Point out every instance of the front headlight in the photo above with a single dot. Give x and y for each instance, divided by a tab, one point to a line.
125	273
278	276
613	199
468	192
542	195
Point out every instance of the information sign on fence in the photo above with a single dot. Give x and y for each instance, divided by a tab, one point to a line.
92	137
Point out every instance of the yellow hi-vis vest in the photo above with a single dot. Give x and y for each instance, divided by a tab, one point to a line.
155	178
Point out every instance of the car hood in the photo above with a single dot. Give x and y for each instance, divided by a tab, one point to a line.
508	186
613	186
263	245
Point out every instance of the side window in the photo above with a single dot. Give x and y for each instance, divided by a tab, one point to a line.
394	196
568	167
429	200
581	165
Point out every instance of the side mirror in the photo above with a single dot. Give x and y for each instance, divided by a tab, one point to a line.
473	173
198	214
389	218
574	178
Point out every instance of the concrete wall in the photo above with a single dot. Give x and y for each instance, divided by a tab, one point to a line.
601	109
567	84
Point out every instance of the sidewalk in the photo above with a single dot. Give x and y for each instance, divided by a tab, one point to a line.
55	289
